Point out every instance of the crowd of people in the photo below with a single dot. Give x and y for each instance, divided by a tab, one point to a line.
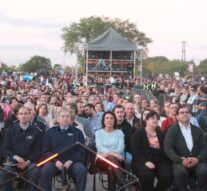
121	119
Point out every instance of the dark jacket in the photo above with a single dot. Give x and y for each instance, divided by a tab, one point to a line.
141	150
1	114
175	146
10	121
25	144
128	131
39	125
135	121
55	141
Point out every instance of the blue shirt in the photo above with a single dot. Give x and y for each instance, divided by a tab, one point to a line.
95	122
109	106
109	141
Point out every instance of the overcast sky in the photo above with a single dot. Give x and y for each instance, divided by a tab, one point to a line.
34	27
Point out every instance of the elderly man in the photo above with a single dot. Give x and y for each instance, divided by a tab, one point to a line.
185	146
57	139
130	115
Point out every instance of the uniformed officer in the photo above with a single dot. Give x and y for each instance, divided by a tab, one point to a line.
56	139
21	146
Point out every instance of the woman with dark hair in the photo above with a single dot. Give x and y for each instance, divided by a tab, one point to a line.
142	120
148	158
99	107
30	100
44	116
110	145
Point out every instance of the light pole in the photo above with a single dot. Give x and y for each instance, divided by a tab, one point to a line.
140	68
76	74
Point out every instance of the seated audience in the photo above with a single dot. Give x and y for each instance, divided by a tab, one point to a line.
148	157
185	146
110	145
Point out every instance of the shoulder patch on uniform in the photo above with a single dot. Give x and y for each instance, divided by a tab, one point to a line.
37	127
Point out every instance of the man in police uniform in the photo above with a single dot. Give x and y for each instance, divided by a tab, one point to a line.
21	147
56	139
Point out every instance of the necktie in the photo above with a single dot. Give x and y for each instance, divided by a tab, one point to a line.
64	131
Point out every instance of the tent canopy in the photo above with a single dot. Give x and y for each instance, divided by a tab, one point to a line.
111	40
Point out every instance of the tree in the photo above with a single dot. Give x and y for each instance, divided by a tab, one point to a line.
87	29
202	67
6	68
160	64
35	64
3	66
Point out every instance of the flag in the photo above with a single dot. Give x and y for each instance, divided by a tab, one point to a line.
190	68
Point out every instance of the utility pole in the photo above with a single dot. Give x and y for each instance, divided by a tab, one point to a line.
183	51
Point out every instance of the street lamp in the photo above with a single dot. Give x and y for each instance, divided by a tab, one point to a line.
140	67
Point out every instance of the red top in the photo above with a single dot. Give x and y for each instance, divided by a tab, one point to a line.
166	123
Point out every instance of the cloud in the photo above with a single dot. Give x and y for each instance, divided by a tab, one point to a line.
201	47
21	22
35	26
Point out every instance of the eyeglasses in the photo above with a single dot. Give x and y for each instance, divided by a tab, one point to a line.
183	112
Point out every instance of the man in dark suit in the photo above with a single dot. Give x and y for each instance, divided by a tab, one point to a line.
185	146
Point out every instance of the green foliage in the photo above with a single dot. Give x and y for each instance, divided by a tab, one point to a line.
36	63
202	67
89	28
10	69
57	66
162	65
3	67
7	68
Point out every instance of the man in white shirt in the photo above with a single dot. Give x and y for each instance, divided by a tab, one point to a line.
185	146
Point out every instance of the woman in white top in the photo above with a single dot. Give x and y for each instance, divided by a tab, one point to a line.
110	145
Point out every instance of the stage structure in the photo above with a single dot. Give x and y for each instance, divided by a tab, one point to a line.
110	54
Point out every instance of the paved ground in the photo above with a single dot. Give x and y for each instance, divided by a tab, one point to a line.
89	186
99	187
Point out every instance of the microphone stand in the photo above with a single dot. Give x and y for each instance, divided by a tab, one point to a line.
20	175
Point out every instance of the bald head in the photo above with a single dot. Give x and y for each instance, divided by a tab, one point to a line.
129	109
